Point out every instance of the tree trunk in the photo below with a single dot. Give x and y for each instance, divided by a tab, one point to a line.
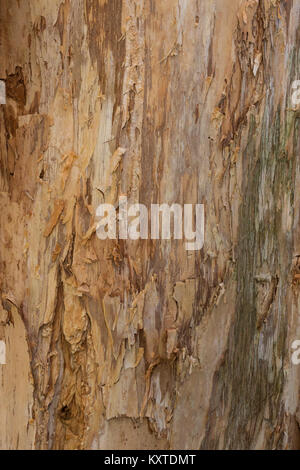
123	344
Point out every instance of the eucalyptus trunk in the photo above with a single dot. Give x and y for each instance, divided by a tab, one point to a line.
141	344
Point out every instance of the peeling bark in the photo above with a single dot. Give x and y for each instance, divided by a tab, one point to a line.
122	344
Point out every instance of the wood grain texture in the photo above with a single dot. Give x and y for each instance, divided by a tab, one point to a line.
141	344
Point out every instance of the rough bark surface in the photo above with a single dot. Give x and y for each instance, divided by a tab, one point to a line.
142	344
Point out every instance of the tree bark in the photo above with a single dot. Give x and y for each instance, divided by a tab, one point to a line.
123	344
